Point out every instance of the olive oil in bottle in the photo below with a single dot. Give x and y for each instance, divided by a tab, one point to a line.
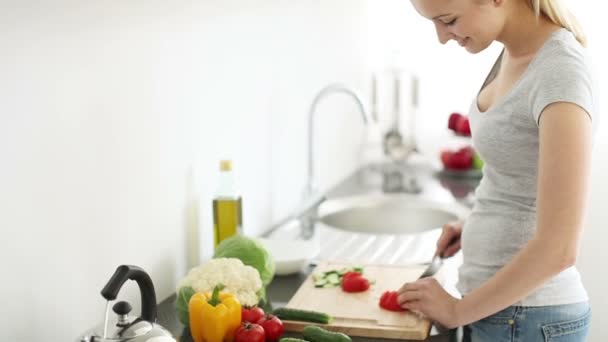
227	210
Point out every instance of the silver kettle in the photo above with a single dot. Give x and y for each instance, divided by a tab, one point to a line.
124	328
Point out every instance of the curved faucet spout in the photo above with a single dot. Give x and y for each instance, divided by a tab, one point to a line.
330	89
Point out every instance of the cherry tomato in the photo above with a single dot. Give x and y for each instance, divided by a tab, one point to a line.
273	327
250	332
252	314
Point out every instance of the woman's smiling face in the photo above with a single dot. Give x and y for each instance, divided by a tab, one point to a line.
474	24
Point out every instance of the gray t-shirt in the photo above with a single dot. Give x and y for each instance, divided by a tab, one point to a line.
506	136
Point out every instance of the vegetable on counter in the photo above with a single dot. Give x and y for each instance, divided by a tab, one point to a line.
291	339
214	317
250	332
181	305
251	253
239	280
252	314
333	278
290	314
354	282
316	334
273	327
388	301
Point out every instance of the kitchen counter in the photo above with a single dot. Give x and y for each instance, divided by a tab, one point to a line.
368	179
418	177
279	293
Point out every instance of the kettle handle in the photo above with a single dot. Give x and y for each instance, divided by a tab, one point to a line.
146	289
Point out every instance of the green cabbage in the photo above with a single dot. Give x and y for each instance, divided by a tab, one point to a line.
250	252
181	304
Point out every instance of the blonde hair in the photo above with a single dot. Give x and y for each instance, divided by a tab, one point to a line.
556	11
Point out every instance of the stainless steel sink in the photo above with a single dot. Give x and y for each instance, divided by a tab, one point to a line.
388	214
378	228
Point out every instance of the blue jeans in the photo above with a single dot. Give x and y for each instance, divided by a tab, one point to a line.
559	323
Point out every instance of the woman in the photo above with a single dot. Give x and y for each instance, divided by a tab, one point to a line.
532	124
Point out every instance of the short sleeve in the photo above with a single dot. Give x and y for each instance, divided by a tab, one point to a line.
563	75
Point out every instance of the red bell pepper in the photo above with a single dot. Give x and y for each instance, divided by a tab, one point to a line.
354	282
388	301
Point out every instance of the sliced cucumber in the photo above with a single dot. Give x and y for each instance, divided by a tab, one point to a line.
321	282
333	278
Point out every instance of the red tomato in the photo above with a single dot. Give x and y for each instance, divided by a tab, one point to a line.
273	327
453	120
388	301
461	159
463	127
250	332
445	157
351	274
252	314
354	282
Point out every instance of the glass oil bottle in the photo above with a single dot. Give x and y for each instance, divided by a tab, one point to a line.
227	209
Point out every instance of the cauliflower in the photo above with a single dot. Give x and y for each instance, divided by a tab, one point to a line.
240	280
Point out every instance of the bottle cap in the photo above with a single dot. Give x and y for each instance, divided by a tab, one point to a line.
226	165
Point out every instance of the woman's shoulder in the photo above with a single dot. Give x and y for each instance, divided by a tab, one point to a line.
561	73
563	54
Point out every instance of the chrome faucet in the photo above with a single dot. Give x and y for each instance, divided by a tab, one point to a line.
311	195
310	189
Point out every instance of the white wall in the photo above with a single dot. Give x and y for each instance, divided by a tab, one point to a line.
113	118
451	77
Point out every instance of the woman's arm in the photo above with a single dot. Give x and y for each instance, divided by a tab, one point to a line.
563	178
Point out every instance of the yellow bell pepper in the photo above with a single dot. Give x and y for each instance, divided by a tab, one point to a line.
214	317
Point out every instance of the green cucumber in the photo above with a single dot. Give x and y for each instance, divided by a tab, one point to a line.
302	315
317	334
291	339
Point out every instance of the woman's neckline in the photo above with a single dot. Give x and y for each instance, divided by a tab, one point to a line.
494	71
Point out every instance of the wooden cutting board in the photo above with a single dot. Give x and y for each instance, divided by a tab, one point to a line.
358	314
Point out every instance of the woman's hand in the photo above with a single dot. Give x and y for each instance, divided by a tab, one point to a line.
428	297
449	241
